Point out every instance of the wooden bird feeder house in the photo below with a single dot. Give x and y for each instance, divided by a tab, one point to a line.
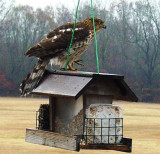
80	114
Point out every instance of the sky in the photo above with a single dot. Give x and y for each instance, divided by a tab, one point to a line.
53	3
71	4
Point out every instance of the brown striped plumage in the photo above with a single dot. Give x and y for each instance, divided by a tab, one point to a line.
53	49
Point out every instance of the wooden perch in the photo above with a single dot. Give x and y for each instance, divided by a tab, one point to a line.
126	146
53	139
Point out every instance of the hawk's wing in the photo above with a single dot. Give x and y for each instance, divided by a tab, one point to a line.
58	40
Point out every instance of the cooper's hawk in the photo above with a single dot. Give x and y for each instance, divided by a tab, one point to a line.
53	49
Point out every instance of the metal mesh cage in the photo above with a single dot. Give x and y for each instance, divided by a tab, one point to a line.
103	130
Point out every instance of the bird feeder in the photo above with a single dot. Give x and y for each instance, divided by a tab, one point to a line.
80	114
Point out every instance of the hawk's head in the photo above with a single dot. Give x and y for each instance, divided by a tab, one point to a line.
99	23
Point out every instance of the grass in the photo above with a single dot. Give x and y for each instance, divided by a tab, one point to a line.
141	123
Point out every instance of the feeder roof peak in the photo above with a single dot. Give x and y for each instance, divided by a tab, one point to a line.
74	84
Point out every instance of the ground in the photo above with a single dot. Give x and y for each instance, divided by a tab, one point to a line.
141	123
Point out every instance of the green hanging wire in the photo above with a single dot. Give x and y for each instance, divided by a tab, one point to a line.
95	37
72	35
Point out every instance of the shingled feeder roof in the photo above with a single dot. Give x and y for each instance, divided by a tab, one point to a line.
74	84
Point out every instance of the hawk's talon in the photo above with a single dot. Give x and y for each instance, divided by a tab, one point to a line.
71	68
77	61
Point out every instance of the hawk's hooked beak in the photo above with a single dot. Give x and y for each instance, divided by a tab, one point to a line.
104	26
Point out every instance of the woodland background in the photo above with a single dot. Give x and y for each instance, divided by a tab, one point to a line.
130	45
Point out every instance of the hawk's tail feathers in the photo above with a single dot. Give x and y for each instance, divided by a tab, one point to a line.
34	77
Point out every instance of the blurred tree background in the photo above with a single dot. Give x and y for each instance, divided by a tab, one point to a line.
130	45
